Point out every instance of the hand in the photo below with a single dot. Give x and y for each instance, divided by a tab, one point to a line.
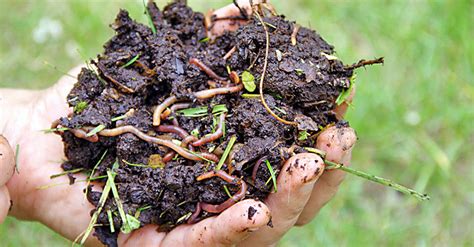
301	192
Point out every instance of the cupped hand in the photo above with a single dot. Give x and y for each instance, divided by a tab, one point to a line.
303	186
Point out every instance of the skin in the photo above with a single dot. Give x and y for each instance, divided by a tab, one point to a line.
303	186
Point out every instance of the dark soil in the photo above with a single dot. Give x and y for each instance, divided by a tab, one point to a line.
300	83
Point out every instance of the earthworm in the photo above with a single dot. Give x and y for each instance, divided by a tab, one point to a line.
209	93
175	122
179	131
130	129
214	136
256	166
229	53
165	114
211	208
174	108
168	156
220	173
193	218
161	107
79	133
173	129
179	106
206	69
210	156
55	125
187	140
234	77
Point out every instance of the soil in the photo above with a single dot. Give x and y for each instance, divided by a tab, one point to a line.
301	83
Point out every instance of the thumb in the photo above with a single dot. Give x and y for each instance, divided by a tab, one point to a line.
7	164
7	161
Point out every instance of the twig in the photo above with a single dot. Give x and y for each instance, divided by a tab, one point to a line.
363	63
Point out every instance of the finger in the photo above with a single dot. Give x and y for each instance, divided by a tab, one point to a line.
341	109
145	236
337	142
221	25
7	161
295	183
229	228
4	203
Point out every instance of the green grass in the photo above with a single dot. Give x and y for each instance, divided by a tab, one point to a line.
414	115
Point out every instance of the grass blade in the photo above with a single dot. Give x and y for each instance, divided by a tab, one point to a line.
226	152
131	61
377	179
272	176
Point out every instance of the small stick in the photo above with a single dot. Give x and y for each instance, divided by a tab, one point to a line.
296	28
256	166
267	47
122	87
209	93
383	181
206	69
214	136
160	108
230	52
363	63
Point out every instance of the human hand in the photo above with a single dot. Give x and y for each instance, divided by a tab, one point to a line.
64	209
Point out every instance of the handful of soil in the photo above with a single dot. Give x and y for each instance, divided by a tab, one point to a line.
173	126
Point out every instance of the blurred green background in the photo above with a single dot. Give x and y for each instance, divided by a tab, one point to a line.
414	116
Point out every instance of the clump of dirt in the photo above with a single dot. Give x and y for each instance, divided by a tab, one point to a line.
164	172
